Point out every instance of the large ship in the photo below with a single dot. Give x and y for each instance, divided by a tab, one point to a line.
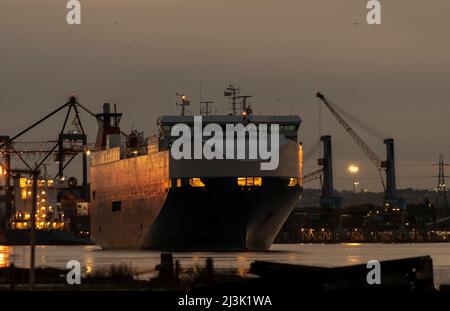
144	198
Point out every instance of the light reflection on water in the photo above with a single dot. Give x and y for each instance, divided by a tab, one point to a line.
353	260
92	258
4	256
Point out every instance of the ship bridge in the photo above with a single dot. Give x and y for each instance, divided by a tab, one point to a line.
288	125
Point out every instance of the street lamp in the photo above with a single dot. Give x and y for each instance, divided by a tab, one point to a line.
353	169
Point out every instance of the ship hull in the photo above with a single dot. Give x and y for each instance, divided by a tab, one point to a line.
148	202
210	218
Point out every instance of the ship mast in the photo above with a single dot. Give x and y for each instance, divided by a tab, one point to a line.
232	93
244	102
205	107
237	101
184	102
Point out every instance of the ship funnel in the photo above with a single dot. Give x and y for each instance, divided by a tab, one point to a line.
106	108
108	124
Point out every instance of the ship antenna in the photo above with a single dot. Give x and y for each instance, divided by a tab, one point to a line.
205	107
244	101
184	102
232	93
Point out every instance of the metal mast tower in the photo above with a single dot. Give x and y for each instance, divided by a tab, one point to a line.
441	189
232	93
244	101
205	107
184	102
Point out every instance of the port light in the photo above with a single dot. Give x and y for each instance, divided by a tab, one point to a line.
196	182
242	181
249	181
23	182
293	182
257	181
353	169
23	194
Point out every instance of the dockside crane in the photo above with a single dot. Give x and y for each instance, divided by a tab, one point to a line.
328	198
388	166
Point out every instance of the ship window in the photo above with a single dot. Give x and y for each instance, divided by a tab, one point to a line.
249	181
241	181
116	206
196	182
288	128
167	184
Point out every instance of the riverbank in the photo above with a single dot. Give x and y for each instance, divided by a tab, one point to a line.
410	274
93	258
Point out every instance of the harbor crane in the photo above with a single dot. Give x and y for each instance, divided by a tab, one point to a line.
388	166
328	198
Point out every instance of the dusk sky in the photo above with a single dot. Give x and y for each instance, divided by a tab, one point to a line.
139	53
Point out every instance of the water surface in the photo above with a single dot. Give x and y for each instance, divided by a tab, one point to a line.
326	255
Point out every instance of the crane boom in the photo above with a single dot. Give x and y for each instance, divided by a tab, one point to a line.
380	165
359	141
